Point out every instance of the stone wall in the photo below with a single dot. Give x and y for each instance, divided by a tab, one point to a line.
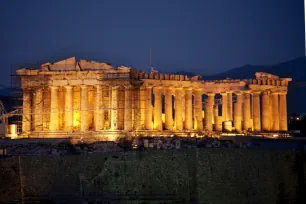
152	176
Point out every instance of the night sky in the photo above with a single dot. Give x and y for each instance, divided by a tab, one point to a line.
204	36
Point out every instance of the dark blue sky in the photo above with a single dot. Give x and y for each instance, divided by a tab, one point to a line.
204	36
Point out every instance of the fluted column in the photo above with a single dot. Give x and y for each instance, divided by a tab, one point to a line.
275	112
38	110
188	109
168	109
229	106
114	108
209	111
246	111
142	106
224	106
217	125
84	108
54	108
68	108
178	109
26	114
198	109
256	111
238	113
98	108
158	109
148	117
136	108
128	126
266	111
283	126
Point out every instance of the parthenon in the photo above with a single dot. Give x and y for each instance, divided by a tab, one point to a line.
69	98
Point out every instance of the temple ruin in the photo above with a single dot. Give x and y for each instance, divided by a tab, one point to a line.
96	100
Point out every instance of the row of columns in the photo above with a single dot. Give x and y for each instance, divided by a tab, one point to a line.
274	109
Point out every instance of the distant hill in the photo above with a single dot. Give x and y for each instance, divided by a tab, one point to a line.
296	69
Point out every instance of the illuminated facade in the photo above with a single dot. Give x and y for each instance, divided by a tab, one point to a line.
91	99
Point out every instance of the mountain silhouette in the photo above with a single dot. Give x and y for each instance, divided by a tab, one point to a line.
295	69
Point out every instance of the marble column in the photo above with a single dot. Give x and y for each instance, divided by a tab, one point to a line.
224	106
168	109
229	106
136	108
266	111
98	117
275	112
38	110
84	125
54	108
114	108
256	111
103	107
178	109
26	107
128	126
238	113
246	111
68	108
149	114
158	109
188	109
217	126
142	106
198	109
283	111
209	111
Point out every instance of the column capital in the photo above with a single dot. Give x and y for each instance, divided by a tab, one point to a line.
210	94
148	86
68	87
223	93
256	92
246	91
53	87
128	87
83	86
169	87
26	89
238	93
275	93
198	89
188	88
157	87
283	93
115	87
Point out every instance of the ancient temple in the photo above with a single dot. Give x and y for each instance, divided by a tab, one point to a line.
92	99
